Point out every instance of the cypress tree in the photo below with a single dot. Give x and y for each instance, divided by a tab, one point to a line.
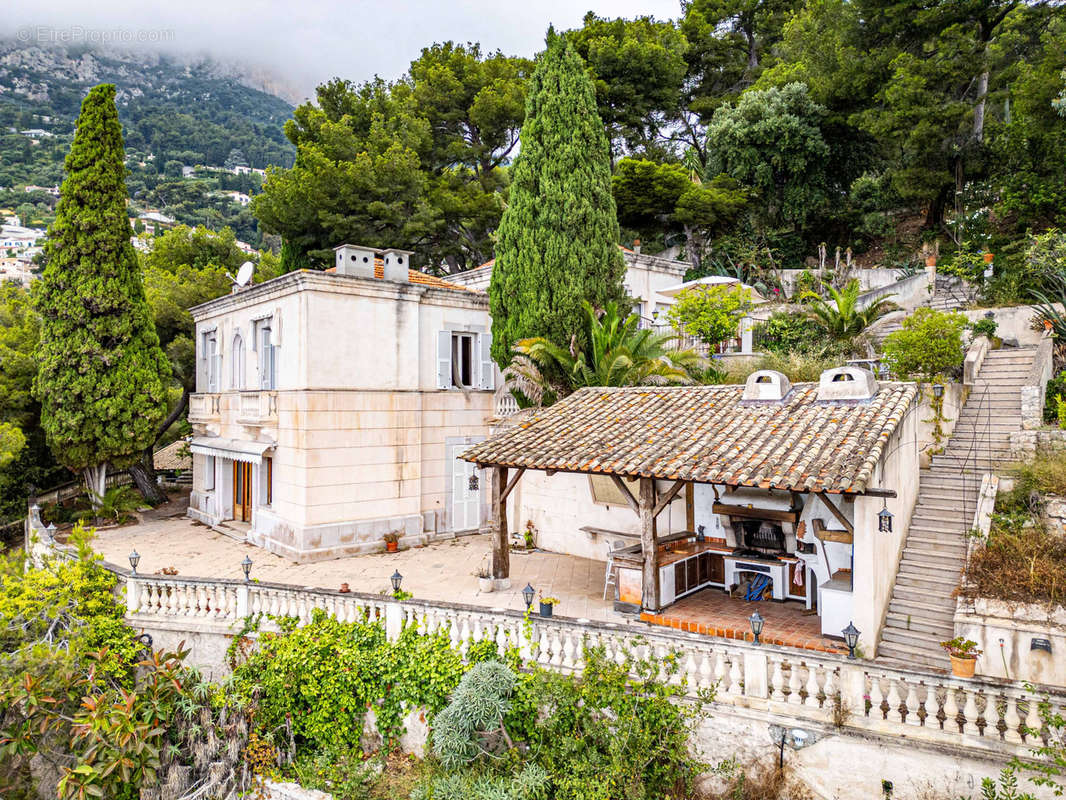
102	378
557	243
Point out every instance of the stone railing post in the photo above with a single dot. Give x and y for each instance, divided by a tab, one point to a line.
242	601
393	621
133	595
756	679
853	689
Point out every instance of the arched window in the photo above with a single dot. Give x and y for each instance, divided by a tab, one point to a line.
237	378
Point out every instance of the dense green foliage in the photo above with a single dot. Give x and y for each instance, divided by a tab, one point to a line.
102	376
416	163
619	354
711	313
792	332
927	347
843	320
556	246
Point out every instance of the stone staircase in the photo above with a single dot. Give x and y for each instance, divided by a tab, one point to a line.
921	611
951	294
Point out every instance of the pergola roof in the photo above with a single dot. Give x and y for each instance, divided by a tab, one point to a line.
706	434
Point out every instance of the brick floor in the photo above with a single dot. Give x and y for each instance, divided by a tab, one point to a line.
444	571
714	613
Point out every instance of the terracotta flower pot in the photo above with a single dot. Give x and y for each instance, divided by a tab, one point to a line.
989	257
930	261
344	588
963	666
392	547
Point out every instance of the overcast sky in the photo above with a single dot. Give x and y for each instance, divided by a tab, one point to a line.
305	42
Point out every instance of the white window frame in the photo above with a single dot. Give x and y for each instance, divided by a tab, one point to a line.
237	368
262	343
482	369
209	473
212	360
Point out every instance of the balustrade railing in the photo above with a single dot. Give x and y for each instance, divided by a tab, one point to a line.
204	407
258	407
982	714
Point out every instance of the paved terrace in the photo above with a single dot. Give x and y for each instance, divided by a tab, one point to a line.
444	571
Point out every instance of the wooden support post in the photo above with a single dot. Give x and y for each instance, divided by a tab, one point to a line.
836	512
690	507
649	545
501	551
664	500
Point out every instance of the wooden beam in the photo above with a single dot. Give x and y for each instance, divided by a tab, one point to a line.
729	510
649	546
690	507
836	512
628	495
667	498
501	551
878	493
511	483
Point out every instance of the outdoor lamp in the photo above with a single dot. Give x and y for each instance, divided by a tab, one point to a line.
851	638
135	559
990	315
884	519
51	531
473	482
527	595
938	390
246	565
756	621
396	579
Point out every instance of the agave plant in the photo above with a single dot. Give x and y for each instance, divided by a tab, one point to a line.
1048	309
843	319
619	354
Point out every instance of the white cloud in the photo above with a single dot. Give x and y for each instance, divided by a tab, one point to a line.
307	42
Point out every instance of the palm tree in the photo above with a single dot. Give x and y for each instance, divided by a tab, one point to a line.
620	355
843	320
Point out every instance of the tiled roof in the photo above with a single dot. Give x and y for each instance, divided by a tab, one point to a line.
706	434
173	457
420	278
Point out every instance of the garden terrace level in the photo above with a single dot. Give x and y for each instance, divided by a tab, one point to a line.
790	482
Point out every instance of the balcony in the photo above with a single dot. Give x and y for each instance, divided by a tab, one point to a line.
204	408
258	408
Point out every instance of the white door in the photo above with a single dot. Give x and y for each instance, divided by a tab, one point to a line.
466	504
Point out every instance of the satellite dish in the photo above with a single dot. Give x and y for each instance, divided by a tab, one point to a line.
244	274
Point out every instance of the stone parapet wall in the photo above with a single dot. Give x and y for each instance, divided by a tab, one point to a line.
1006	632
1024	444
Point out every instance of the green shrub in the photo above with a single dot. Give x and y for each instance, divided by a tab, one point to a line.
786	332
1056	388
711	313
927	346
984	327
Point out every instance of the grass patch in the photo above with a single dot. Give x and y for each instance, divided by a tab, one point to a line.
1022	561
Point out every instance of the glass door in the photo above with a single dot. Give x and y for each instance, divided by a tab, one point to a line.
242	491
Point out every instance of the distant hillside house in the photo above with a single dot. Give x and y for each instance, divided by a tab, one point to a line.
249	170
52	190
155	221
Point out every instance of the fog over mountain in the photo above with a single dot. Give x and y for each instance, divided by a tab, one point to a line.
289	48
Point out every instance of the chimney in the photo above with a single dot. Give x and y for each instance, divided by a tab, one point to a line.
846	383
397	263
356	260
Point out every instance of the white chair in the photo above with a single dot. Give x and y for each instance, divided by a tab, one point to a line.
609	578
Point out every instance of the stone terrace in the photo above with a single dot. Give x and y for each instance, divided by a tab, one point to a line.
443	571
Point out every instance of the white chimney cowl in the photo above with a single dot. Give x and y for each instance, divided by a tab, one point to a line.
847	383
397	263
355	260
766	384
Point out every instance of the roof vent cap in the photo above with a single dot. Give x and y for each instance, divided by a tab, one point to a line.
354	259
847	383
396	264
766	384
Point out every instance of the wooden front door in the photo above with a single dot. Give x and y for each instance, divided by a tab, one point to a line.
242	491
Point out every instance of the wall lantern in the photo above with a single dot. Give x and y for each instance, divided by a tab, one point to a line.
527	595
474	482
246	565
938	390
884	519
396	579
851	638
135	559
756	621
51	529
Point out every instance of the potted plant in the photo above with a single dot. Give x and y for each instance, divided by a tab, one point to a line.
392	542
963	654
546	604
484	577
530	535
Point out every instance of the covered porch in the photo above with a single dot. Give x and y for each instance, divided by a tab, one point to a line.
788	492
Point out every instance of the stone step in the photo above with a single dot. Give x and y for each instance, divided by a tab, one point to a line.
948	499
926	542
923	642
928	514
939	528
948	573
936	627
938	586
920	605
925	553
936	565
905	657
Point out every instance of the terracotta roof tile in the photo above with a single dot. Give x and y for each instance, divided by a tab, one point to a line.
706	434
173	457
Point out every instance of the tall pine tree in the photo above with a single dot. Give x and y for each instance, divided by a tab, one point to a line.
557	243
102	377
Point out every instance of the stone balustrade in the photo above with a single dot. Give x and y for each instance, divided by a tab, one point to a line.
205	407
258	408
989	716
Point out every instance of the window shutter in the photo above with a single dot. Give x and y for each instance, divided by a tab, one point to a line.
488	367
444	359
